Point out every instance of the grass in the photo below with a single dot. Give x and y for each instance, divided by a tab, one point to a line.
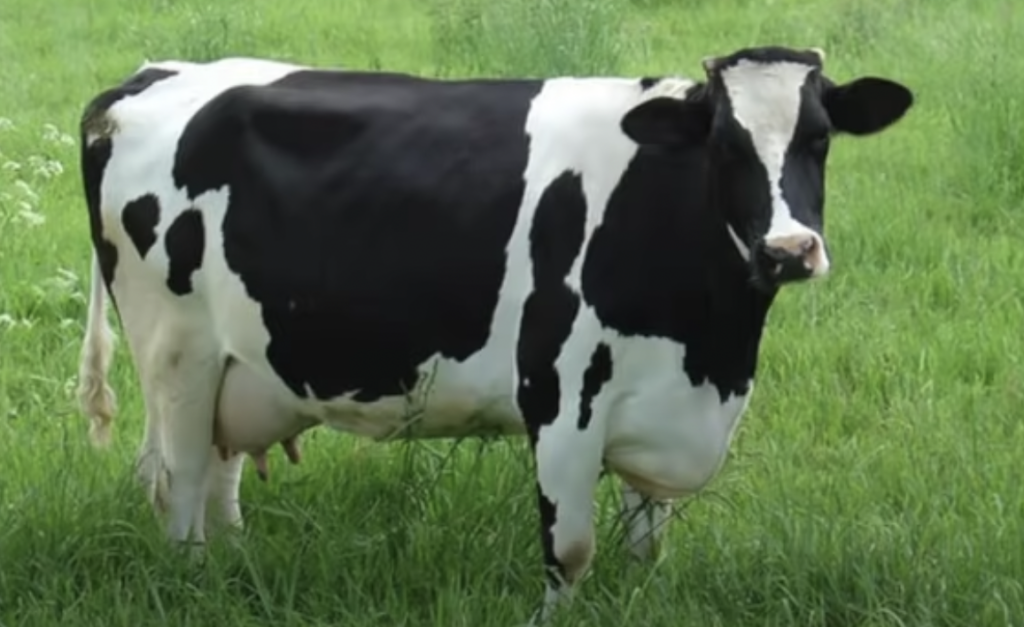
875	482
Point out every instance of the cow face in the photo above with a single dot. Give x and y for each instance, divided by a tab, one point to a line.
765	117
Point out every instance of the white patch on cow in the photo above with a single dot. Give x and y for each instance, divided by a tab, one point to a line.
172	65
666	437
765	100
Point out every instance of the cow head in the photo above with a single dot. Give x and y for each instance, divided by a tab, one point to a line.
764	117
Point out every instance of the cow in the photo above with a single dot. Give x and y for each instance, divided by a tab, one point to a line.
586	261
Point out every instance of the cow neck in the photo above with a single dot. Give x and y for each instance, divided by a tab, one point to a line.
727	277
662	263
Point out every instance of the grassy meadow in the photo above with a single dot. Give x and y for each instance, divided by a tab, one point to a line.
876	482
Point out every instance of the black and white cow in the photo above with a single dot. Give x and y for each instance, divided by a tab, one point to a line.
586	261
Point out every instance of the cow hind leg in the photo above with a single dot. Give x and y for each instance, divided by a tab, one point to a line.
223	480
646	521
182	378
150	465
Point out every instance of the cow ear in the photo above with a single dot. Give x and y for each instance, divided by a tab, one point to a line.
669	122
866	105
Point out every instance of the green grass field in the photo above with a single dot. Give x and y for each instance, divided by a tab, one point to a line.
877	480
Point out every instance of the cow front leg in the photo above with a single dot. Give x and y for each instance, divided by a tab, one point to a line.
568	466
646	521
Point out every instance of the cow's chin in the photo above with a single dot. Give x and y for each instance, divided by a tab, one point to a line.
762	282
768	281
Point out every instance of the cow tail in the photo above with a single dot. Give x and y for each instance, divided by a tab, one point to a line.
96	399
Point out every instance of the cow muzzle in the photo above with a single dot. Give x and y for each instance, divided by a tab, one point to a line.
790	258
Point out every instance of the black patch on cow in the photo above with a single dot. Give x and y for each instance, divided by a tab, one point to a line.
140	217
94	158
554	571
369	215
595	376
93	163
546	324
556	237
648	81
184	242
548	514
803	168
661	265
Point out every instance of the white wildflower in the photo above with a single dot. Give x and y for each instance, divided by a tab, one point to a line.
8	321
45	168
51	133
54	135
26	191
68	276
65	284
31	217
6	124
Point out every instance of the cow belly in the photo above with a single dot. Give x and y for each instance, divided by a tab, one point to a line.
670	443
254	414
444	410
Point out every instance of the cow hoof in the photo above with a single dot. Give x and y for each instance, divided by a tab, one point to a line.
232	535
194	551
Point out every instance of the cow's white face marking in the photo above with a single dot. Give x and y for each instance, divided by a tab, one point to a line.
766	101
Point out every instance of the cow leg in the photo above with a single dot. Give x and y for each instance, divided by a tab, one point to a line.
646	521
183	378
568	467
150	468
223	480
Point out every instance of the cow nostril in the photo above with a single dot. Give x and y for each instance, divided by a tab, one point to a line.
808	246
